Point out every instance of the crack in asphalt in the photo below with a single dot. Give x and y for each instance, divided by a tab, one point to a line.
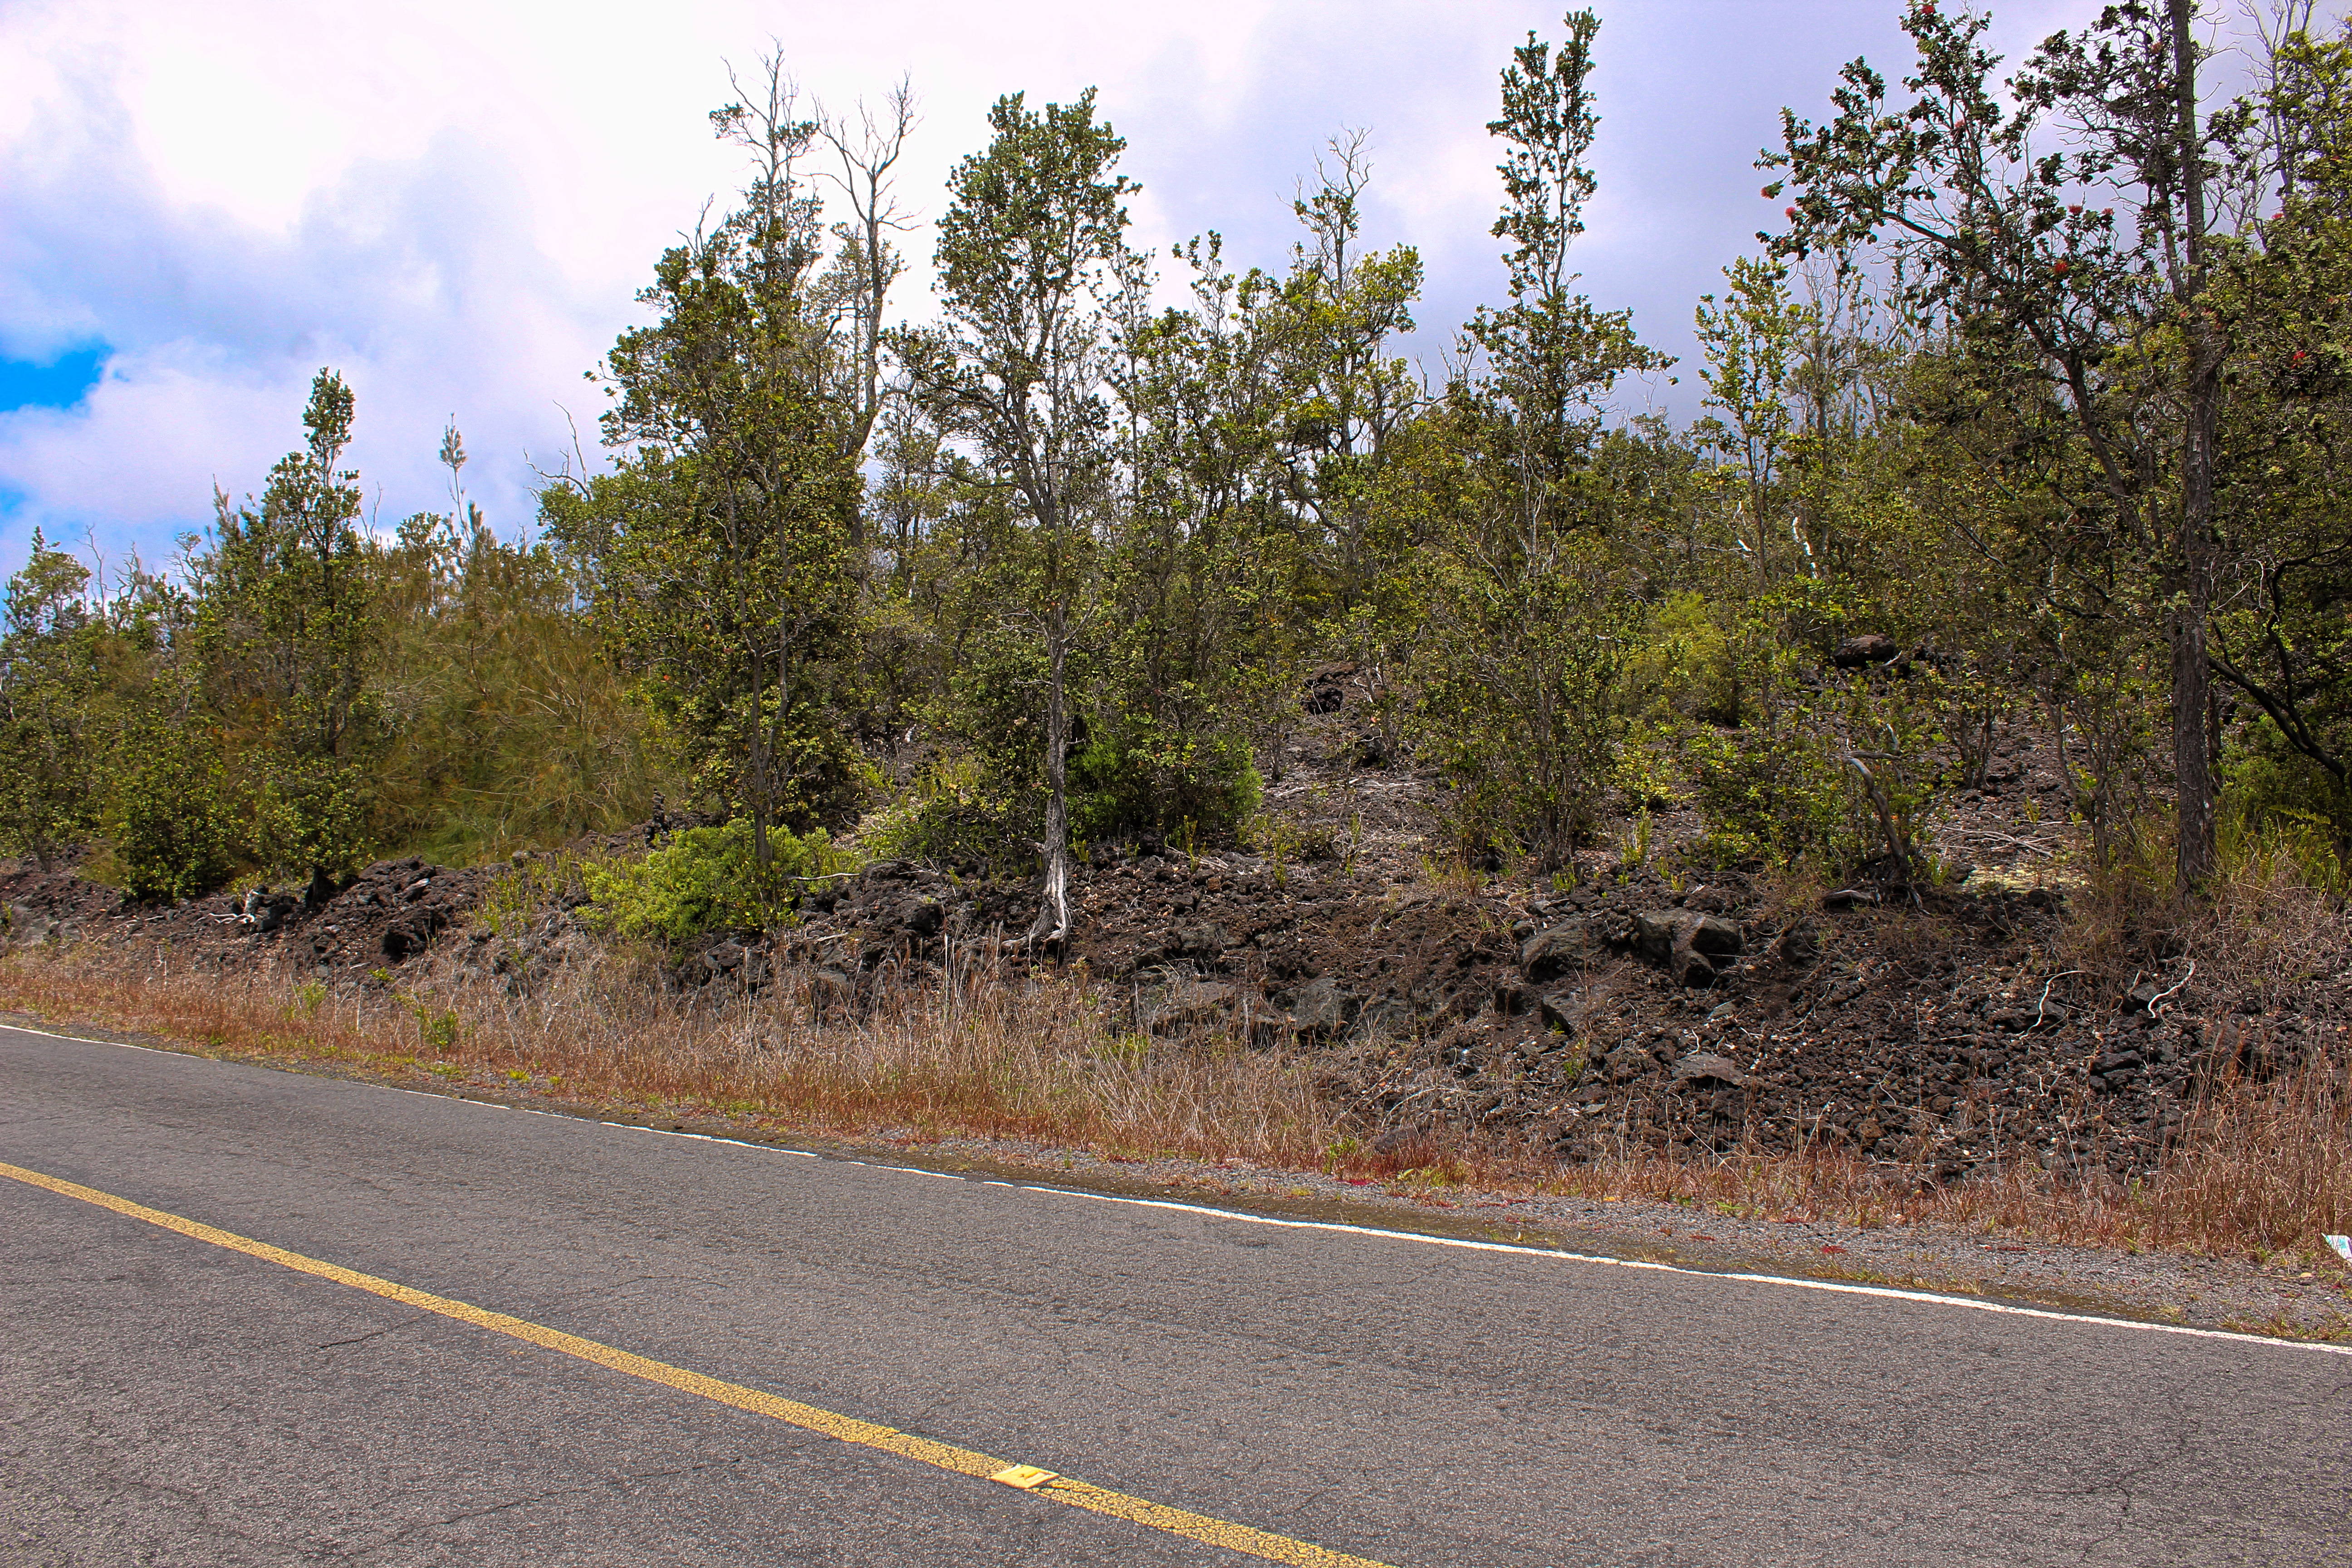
379	1333
606	1483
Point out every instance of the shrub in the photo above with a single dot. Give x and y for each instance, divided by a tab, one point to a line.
1686	664
705	879
1134	778
173	820
950	817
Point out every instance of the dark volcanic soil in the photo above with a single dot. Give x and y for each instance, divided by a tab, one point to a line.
1936	1029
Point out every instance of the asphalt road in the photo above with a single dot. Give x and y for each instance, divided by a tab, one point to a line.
166	1400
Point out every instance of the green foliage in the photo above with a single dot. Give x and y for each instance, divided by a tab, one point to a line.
1133	779
173	822
1102	542
706	879
51	706
1684	662
288	631
951	817
1523	711
436	1029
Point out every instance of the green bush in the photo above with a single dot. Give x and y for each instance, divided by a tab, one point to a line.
1133	779
2272	787
705	879
951	817
173	820
1685	663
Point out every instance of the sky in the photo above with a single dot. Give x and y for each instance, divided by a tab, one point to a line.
454	205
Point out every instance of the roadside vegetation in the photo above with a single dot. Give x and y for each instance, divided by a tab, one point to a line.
2023	458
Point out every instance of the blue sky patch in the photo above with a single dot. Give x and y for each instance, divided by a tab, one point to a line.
61	383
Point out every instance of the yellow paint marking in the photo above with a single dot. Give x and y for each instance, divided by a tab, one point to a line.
1238	1538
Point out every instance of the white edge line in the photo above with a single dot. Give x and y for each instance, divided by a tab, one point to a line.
1829	1286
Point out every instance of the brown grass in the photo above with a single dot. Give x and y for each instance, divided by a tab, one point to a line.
2260	1168
979	1057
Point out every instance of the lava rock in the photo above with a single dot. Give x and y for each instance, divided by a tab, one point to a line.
1628	1062
1547	955
1208	940
1182	1005
1705	1068
1869	649
1709	934
1321	1007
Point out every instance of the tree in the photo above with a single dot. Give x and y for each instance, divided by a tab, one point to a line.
51	682
1532	611
1752	344
1030	248
2282	633
1987	223
721	545
288	630
1350	396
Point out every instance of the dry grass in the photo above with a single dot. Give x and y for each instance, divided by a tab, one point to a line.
979	1057
2260	1169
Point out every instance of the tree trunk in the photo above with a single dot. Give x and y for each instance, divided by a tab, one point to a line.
2192	594
2192	749
1053	923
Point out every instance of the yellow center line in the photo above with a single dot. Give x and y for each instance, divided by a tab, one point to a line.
1240	1538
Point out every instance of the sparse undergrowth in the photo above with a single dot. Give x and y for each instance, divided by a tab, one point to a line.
2260	1169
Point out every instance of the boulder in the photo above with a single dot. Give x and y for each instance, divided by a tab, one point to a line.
1709	934
1568	945
1690	967
1628	1062
1869	649
1327	689
1559	1010
1688	946
1183	1003
1321	1007
1705	1067
1208	940
1655	932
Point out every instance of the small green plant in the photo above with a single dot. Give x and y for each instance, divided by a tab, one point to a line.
309	995
436	1029
515	896
515	1075
707	879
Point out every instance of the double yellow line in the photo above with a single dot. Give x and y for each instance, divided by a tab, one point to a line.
1037	1482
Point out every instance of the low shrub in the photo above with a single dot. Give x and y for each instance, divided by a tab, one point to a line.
707	879
172	821
1135	779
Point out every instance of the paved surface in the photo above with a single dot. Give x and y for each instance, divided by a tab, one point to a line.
166	1401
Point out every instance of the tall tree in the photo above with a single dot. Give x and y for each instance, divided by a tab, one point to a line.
1029	253
722	545
290	631
51	685
1525	648
1999	226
